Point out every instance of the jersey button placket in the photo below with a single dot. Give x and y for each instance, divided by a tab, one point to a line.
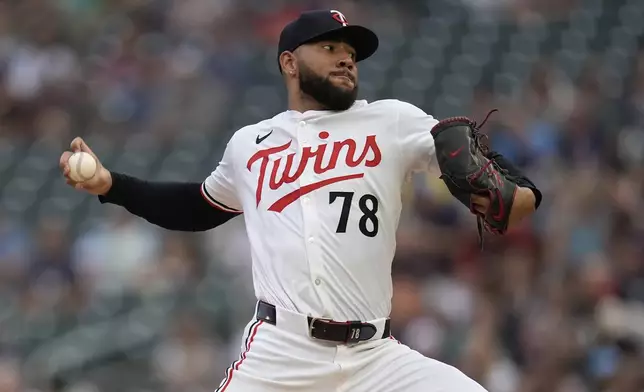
309	215
302	134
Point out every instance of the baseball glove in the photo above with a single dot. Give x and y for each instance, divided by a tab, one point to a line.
467	170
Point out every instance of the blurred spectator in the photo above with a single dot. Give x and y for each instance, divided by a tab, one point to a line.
186	359
50	280
10	378
113	257
14	251
177	268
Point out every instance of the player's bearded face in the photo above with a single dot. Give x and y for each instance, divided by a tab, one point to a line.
322	89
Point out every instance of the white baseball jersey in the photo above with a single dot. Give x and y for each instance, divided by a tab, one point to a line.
320	192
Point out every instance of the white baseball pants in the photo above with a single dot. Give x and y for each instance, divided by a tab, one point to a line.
283	357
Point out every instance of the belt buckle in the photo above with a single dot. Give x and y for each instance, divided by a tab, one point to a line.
312	325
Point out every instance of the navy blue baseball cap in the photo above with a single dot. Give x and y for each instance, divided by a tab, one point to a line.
318	25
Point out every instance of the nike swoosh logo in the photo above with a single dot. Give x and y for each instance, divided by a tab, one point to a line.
261	139
455	153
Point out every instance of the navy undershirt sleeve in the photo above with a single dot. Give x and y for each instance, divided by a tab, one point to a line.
172	205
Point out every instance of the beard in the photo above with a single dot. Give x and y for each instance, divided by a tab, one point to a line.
325	92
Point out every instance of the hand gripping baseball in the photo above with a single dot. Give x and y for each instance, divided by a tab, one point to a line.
99	184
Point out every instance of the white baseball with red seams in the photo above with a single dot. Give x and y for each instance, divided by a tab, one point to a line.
320	193
82	166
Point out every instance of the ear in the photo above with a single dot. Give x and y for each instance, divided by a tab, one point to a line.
288	63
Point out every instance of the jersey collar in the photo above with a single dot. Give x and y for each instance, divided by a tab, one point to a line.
295	115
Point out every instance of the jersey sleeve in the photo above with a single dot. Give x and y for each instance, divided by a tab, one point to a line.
219	188
415	139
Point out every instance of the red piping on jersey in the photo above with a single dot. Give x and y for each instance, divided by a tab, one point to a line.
234	367
284	201
211	200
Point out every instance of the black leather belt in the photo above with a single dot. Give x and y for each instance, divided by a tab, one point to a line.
329	330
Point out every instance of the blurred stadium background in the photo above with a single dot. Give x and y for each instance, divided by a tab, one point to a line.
95	300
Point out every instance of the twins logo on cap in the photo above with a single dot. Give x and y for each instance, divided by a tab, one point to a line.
339	16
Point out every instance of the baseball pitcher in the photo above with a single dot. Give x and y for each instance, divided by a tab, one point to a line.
319	188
